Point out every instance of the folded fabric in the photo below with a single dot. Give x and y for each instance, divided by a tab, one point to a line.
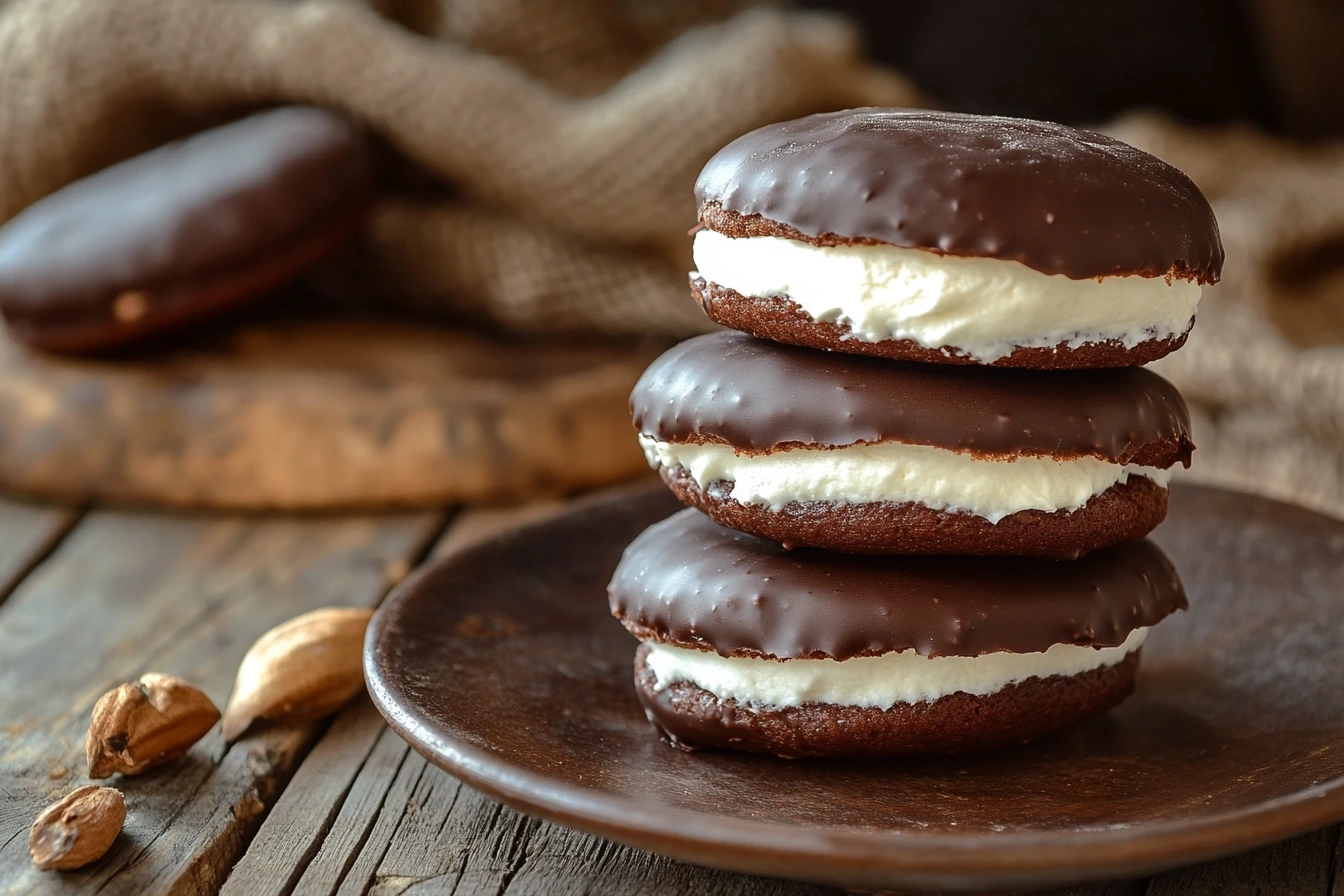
542	155
1264	368
570	132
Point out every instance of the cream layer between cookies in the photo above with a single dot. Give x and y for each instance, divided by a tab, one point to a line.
985	307
872	681
893	471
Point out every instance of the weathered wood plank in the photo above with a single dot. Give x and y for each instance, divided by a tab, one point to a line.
370	815
27	533
320	826
1298	867
365	814
313	808
451	839
127	593
1118	888
328	808
557	860
330	826
371	413
1337	866
396	803
420	850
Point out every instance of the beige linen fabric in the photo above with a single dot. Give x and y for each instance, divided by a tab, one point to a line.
1264	368
570	130
542	154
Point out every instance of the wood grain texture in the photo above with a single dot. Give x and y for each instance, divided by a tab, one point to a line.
558	860
363	813
1337	865
1117	888
321	414
402	824
366	815
27	533
1300	867
315	816
127	593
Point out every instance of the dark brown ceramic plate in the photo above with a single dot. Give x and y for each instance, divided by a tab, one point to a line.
502	665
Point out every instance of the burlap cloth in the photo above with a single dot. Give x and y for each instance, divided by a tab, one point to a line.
561	139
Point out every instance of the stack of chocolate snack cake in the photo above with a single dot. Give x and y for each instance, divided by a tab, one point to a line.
923	461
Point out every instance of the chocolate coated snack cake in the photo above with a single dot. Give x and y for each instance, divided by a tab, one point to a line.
921	471
948	238
866	455
185	231
807	653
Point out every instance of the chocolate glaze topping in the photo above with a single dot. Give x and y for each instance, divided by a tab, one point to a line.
691	582
1059	200
759	396
185	211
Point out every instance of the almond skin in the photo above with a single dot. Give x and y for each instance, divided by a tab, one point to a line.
78	829
145	723
300	671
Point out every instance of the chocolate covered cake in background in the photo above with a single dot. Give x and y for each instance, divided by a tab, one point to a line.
921	474
185	233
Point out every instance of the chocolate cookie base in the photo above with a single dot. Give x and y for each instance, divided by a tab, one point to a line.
177	306
1123	512
693	718
780	319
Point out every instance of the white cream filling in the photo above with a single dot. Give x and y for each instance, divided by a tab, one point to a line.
894	471
986	307
878	681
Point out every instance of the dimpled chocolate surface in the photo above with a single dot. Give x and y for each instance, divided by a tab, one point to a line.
691	582
227	197
759	396
1059	200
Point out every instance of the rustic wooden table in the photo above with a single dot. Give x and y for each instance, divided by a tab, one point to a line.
92	598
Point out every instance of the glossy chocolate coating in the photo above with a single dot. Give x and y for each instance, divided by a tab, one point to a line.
758	396
187	211
1056	199
689	581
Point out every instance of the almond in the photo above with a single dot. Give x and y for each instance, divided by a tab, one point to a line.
146	723
300	671
77	830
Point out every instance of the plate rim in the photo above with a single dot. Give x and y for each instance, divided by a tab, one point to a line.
887	857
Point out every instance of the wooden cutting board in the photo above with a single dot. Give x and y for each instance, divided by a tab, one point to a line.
319	414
